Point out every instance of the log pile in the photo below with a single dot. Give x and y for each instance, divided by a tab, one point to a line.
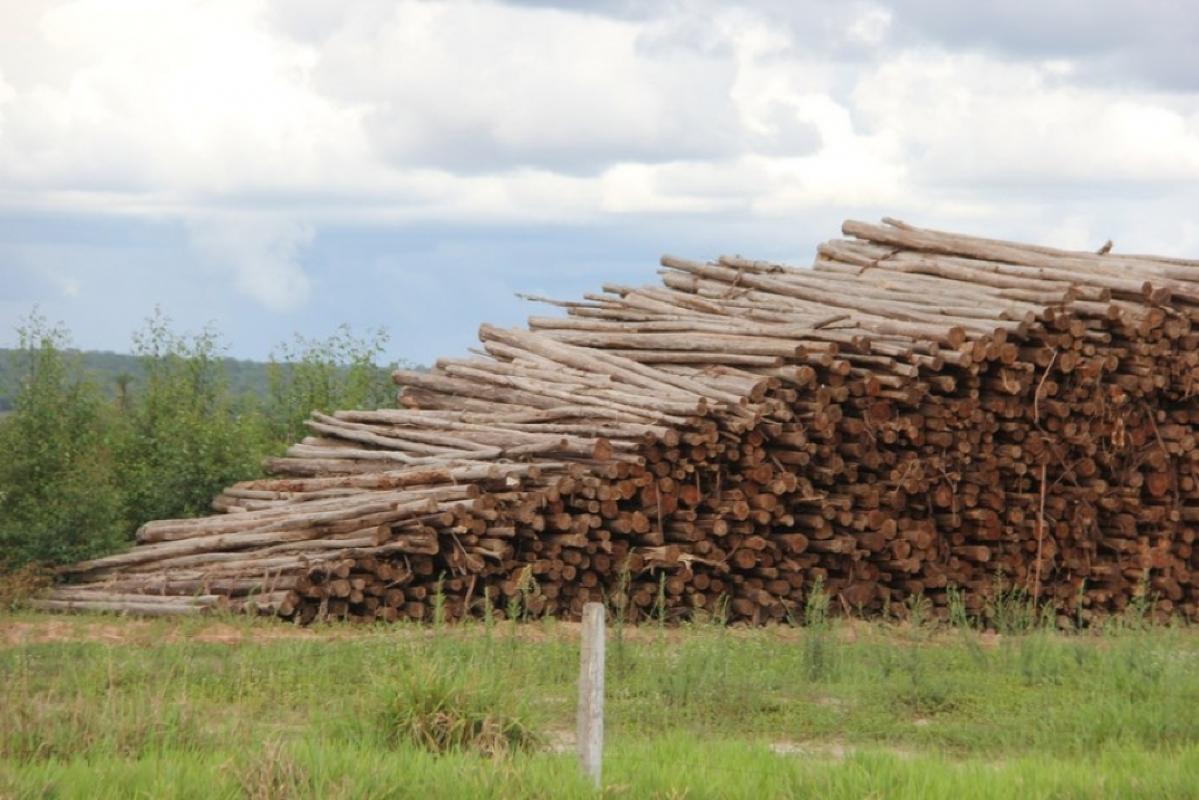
919	412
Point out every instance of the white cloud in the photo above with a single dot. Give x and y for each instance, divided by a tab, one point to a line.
229	115
194	97
871	25
261	253
476	87
230	157
7	93
1150	43
964	119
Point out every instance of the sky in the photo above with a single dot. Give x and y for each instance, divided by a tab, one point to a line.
281	167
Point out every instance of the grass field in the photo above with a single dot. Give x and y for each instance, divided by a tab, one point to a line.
107	707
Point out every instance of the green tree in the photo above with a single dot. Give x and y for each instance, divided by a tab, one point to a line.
58	499
123	381
85	463
324	375
185	436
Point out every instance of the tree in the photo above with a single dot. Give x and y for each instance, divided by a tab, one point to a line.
184	436
80	471
58	499
324	375
122	381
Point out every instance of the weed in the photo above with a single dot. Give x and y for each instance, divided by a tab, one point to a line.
966	626
1137	670
61	727
1137	614
520	606
1040	661
721	615
439	602
816	605
514	611
272	774
1080	598
958	616
619	605
488	615
1011	610
817	650
440	711
660	602
919	610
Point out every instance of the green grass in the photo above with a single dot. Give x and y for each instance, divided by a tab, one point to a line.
832	710
666	768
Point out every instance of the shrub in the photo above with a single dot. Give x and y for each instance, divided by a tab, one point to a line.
58	499
324	375
184	437
82	470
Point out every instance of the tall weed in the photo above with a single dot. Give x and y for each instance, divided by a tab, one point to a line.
442	711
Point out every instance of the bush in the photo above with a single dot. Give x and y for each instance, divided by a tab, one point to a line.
59	501
81	471
324	375
183	437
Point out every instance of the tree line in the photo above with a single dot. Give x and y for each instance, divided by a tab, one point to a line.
112	371
86	458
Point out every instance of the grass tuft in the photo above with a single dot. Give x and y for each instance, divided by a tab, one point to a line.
273	774
441	711
1010	610
817	642
78	725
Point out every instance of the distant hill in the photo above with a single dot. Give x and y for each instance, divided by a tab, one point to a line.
245	377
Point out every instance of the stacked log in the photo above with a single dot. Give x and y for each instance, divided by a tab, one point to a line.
918	412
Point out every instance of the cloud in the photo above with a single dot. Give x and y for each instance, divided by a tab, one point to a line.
997	125
174	98
1151	42
474	88
384	112
252	128
262	255
1111	42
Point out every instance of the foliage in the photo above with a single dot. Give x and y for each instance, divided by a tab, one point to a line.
110	371
184	437
59	500
324	375
87	462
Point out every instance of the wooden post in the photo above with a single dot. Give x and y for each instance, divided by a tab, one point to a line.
590	732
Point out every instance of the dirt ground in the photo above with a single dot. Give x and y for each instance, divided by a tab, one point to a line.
35	628
15	632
